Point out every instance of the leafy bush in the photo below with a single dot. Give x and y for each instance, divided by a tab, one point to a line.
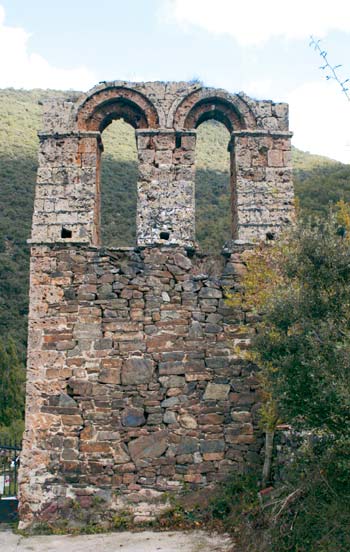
302	346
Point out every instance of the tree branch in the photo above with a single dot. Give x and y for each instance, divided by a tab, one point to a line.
332	69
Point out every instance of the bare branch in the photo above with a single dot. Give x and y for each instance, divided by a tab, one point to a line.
315	44
287	501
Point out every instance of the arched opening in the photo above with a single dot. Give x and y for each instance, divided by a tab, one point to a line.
119	173
217	109
215	186
113	102
215	115
114	215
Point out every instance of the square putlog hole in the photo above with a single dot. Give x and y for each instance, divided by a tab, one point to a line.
65	233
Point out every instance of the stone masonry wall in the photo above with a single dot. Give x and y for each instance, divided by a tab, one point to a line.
165	117
134	390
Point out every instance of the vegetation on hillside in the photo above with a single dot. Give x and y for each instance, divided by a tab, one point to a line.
321	187
12	379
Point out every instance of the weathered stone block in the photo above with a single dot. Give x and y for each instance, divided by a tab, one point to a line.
109	375
212	446
137	370
149	446
188	422
172	381
154	418
171	368
275	158
87	330
168	403
188	445
182	261
120	455
169	417
216	392
241	416
210	293
133	417
213	456
66	401
211	419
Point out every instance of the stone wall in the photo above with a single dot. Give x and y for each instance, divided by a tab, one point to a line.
134	391
165	117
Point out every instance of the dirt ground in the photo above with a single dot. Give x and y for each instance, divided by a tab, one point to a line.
147	541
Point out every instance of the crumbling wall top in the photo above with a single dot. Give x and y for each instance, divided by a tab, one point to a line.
171	105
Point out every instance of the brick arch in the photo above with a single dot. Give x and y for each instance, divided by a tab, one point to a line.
204	104
231	110
102	107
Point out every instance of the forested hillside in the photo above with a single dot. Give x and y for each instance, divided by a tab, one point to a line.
318	181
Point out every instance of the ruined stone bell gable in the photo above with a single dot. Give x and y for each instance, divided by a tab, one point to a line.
165	117
134	389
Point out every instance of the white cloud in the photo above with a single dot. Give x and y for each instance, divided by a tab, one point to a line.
319	118
19	68
253	21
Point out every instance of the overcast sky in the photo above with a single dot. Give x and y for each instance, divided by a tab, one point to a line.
259	47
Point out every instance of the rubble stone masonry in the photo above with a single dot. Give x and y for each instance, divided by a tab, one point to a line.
134	390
